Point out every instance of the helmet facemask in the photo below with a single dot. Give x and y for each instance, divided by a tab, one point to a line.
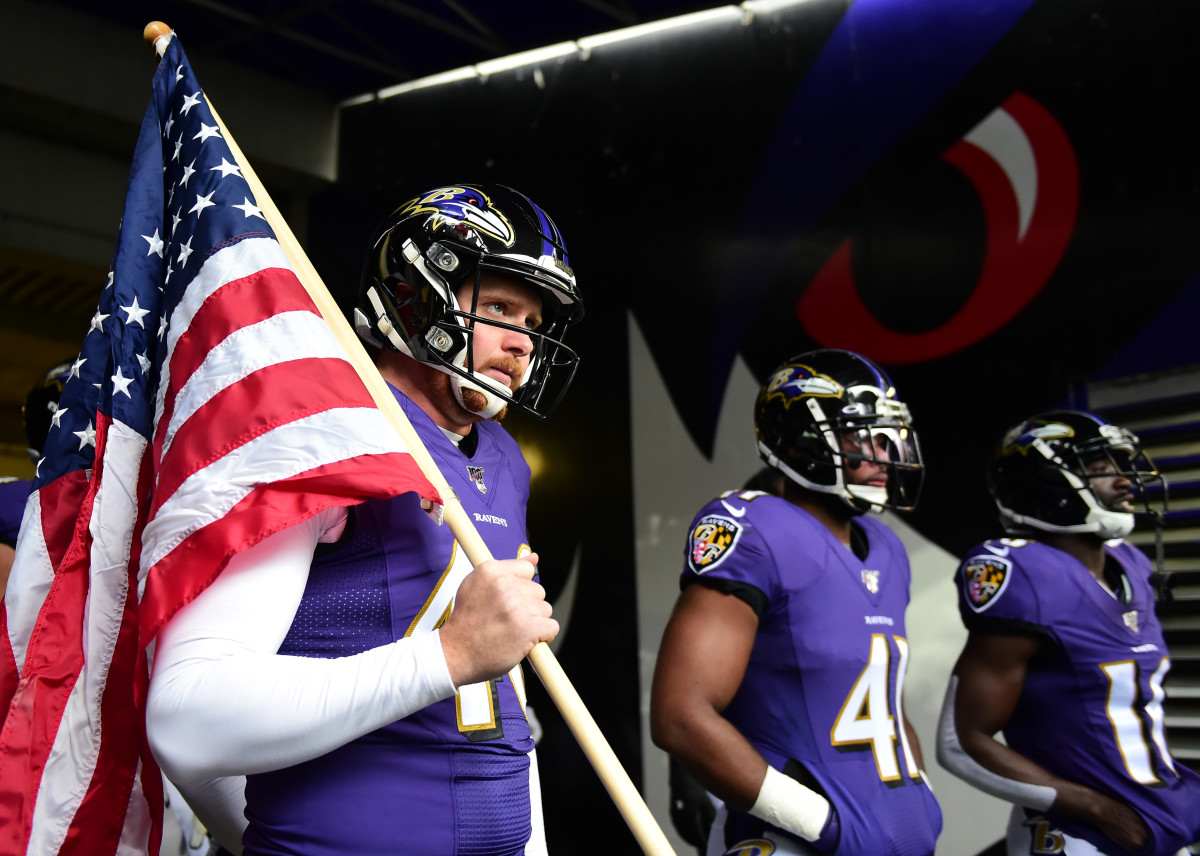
887	442
547	374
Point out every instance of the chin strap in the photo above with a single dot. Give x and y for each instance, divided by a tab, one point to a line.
875	496
1104	522
1159	580
494	402
857	504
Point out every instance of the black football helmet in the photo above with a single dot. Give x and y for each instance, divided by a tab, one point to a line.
431	246
823	413
40	406
1041	474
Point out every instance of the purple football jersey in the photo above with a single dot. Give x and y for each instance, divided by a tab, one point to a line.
1091	707
13	493
826	672
452	778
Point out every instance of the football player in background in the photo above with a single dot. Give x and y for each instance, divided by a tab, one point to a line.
779	680
1064	653
41	403
364	684
693	809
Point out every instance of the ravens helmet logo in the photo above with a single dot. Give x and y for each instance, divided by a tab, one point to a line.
465	205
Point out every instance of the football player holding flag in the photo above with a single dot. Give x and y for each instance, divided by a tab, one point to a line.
1064	653
780	677
353	668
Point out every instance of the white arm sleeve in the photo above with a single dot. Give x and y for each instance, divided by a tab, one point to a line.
223	703
220	805
953	757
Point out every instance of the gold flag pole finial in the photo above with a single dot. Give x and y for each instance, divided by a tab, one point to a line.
156	34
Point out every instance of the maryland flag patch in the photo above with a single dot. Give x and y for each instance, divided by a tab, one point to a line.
984	577
712	540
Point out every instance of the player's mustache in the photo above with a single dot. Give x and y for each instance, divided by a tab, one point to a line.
509	365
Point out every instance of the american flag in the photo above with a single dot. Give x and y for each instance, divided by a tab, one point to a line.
209	407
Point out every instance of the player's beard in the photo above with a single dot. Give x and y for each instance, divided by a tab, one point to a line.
474	401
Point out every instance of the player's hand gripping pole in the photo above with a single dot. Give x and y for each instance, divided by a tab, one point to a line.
628	801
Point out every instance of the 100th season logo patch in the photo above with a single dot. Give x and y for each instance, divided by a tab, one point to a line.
713	538
984	578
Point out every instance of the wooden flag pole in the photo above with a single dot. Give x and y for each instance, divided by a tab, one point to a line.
626	797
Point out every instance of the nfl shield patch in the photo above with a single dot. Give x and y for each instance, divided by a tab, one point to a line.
476	474
871	580
984	578
1130	619
713	538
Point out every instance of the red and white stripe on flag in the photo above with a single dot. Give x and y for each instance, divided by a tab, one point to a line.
210	406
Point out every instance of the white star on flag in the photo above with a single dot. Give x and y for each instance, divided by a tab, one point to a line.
109	283
202	202
225	168
207	131
98	321
188	171
175	220
121	383
58	415
76	366
249	208
178	147
167	127
185	250
87	437
155	242
135	314
189	101
162	326
143	361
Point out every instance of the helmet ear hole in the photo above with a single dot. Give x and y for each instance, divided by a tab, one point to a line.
407	310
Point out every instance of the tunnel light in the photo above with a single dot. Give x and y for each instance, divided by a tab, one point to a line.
533	57
641	30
